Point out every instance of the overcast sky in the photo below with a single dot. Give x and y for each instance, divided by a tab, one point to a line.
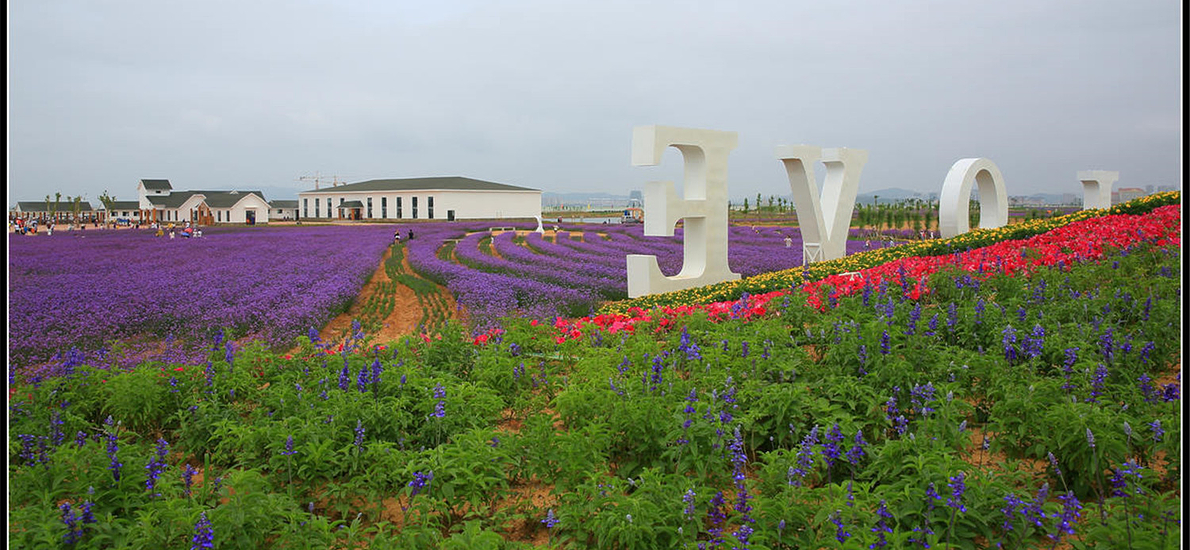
545	93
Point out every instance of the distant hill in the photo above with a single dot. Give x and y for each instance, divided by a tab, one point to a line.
892	194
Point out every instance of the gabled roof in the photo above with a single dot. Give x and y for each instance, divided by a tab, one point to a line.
156	185
227	199
350	204
284	204
125	205
445	183
173	200
63	206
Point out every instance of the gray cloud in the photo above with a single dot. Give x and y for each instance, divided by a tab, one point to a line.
545	94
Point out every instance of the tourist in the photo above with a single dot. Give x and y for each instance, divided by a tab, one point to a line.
411	234
788	242
397	236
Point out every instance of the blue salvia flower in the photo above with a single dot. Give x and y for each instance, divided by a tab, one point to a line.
359	435
744	349
187	480
933	326
1022	314
882	526
550	520
1107	345
841	534
957	486
863	359
856	451
204	534
361	382
421	482
344	375
1090	438
1010	344
688	499
914	317
1011	503
805	456
229	355
288	447
1035	344
312	334
979	309
440	406
80	439
717	516
377	370
920	398
1125	480
831	449
1145	351
1097	383
1033	512
1155	427
113	447
1070	514
931	496
1171	392
884	343
156	465
952	317
1054	463
74	530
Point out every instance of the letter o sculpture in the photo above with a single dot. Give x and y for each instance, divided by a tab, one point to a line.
953	205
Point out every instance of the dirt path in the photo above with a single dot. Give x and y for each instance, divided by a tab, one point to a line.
403	320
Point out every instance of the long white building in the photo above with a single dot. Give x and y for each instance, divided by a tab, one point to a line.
434	198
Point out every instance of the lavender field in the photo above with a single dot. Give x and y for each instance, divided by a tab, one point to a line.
87	288
582	265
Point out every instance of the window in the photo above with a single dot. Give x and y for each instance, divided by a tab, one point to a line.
316	209
306	208
383	207
414	201
218	215
398	208
369	207
430	207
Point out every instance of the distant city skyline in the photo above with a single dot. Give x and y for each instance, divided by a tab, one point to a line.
266	94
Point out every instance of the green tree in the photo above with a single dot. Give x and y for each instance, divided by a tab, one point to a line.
745	205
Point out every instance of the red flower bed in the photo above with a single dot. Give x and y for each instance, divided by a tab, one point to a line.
1077	242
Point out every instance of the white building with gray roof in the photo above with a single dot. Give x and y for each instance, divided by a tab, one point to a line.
432	198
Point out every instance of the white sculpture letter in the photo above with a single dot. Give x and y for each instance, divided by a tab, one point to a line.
704	207
824	222
1097	188
956	192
